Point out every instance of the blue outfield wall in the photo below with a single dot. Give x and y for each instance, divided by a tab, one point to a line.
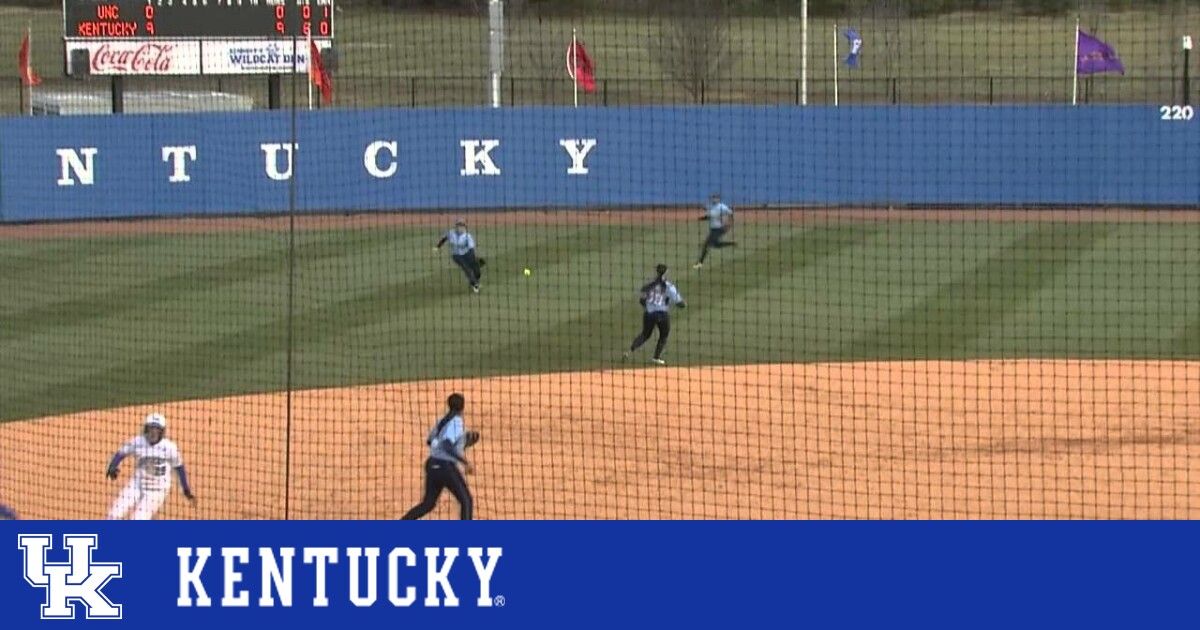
123	166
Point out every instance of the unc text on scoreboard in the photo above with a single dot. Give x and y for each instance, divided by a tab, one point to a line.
123	166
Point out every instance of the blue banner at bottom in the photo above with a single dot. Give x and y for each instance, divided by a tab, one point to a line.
601	574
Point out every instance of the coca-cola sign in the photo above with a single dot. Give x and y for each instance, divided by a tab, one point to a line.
148	58
141	57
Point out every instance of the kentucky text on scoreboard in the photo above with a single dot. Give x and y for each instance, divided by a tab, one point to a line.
196	19
182	37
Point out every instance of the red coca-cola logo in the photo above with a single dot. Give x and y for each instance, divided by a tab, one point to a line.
149	58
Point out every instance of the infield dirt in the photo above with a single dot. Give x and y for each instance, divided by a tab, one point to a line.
977	439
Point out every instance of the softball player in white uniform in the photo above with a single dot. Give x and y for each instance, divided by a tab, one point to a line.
156	456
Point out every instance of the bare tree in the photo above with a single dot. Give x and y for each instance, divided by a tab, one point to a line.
537	51
692	45
1171	26
887	21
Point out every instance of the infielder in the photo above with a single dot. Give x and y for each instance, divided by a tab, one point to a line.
656	299
720	221
156	456
448	442
462	251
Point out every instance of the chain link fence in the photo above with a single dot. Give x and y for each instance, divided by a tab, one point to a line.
699	52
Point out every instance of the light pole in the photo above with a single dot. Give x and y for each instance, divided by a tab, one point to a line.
1187	80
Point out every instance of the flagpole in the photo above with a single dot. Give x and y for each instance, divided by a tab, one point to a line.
804	52
835	65
575	66
1075	67
29	92
311	67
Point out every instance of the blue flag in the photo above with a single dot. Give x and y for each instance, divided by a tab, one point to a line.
855	47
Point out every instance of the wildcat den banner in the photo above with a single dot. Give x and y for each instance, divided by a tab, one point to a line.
599	574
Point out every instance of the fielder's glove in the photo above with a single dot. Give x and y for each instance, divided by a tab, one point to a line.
482	262
472	438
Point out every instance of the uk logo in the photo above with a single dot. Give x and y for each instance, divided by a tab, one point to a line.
77	581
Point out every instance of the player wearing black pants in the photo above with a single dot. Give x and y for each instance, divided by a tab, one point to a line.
442	475
448	441
719	217
462	252
650	321
656	298
470	265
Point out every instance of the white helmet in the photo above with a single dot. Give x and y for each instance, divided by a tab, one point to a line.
156	420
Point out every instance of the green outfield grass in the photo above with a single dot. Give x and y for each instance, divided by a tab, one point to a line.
99	322
400	58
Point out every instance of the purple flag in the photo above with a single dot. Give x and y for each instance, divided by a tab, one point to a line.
1096	56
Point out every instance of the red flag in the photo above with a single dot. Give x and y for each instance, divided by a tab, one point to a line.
28	76
580	67
317	73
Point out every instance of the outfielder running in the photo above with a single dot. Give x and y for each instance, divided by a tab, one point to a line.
656	299
720	221
462	251
156	456
448	443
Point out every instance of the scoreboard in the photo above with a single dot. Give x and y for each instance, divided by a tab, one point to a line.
194	37
197	19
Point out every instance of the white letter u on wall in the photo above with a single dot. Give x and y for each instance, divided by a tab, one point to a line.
271	155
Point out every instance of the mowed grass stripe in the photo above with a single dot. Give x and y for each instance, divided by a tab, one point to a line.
1187	344
1131	296
170	371
44	257
204	276
811	314
599	335
241	300
962	310
435	327
38	276
378	306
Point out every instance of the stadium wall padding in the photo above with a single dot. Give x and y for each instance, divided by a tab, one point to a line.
648	156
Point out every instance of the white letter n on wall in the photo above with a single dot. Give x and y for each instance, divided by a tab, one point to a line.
477	157
271	154
76	168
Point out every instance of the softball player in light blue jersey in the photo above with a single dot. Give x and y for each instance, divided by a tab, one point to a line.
448	442
462	251
720	221
657	297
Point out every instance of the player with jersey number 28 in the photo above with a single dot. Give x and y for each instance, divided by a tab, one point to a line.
657	297
156	456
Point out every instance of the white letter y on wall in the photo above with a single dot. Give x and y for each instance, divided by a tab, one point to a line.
578	150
